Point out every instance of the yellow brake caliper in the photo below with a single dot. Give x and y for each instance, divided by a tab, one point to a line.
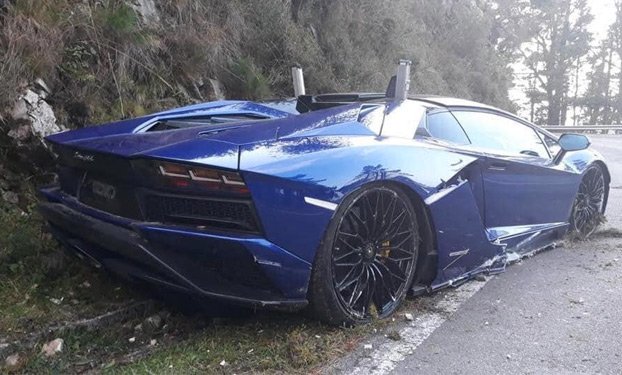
385	253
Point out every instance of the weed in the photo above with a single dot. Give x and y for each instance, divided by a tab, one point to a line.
249	80
589	231
609	233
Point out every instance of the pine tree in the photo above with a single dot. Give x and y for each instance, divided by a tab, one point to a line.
616	32
560	40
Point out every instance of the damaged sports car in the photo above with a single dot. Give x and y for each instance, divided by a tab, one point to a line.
342	204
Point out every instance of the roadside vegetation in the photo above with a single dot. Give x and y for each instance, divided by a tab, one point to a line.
113	327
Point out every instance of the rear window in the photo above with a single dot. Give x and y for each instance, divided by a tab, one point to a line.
445	127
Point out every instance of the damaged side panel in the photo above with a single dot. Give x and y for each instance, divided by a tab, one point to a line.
464	248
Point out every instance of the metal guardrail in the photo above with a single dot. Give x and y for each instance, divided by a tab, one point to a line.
587	129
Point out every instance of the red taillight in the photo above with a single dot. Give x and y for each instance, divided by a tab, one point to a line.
180	183
232	179
204	174
200	178
174	170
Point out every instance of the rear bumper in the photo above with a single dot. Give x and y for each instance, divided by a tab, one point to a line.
240	268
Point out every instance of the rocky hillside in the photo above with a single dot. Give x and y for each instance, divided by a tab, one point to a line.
73	63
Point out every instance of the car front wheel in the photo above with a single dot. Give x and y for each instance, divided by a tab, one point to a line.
587	210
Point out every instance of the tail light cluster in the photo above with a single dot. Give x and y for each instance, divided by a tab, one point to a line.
201	178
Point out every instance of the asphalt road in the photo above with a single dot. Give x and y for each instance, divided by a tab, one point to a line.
559	312
611	148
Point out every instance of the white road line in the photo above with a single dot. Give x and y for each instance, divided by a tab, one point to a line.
384	358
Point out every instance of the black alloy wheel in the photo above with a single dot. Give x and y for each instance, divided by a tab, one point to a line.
588	205
368	259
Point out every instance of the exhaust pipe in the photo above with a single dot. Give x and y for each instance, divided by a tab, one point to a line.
299	81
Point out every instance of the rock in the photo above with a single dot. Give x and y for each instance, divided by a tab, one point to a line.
12	362
394	335
43	121
409	317
132	339
223	363
44	88
51	348
37	113
147	11
153	342
153	322
20	111
216	89
10	197
31	98
21	133
57	301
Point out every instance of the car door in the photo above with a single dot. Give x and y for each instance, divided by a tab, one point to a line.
524	190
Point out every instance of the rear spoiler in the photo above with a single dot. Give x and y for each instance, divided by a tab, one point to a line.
397	90
307	103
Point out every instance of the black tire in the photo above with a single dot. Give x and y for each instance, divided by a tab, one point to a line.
367	260
588	208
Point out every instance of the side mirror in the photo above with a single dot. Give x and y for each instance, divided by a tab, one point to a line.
571	142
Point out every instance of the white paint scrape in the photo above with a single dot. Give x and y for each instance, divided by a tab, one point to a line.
386	356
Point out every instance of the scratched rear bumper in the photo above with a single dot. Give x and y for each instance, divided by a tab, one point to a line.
239	268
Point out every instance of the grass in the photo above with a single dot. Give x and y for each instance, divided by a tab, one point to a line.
39	284
43	293
609	233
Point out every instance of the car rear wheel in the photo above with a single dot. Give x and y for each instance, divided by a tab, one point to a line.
588	205
367	260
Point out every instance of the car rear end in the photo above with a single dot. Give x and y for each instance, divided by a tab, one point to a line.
183	225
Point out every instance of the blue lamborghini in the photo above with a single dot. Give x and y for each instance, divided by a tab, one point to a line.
342	204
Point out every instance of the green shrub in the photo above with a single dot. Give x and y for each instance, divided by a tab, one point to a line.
248	81
25	250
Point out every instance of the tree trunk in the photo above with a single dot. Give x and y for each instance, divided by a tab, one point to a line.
554	109
607	110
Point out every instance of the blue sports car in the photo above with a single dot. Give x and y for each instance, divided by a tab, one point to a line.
341	203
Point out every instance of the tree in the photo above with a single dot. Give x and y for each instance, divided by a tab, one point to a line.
560	40
597	100
616	32
602	104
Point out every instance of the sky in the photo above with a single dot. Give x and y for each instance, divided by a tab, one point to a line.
604	15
